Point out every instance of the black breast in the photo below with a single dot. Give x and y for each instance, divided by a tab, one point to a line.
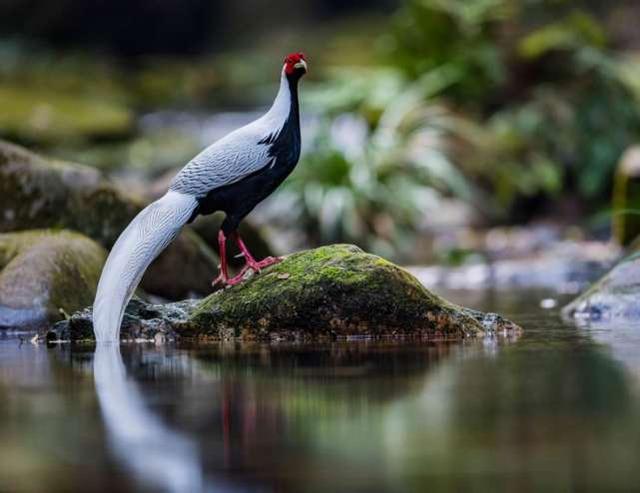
239	198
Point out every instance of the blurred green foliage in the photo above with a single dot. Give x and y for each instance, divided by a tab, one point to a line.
489	101
379	160
507	107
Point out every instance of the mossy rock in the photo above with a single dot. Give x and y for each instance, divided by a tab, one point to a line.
38	192
327	293
614	297
336	290
43	272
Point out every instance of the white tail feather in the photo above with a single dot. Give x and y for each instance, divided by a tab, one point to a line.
139	244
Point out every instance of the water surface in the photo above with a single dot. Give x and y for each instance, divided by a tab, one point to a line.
556	409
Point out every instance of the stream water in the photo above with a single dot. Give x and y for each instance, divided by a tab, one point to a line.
556	409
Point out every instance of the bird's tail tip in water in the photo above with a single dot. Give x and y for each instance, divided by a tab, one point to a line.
139	244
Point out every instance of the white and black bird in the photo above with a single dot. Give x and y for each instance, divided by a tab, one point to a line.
232	175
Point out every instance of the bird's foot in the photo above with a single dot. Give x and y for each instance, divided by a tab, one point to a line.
226	281
252	264
221	279
267	261
258	265
237	279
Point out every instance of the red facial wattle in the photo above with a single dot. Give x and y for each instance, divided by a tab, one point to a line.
293	62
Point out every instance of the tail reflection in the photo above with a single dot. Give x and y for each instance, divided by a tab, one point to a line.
155	454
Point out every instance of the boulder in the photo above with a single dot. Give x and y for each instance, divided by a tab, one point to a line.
43	272
185	268
329	292
614	297
38	192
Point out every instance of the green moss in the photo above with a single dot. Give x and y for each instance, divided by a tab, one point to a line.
44	271
333	290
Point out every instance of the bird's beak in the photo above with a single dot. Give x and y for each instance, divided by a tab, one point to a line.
301	64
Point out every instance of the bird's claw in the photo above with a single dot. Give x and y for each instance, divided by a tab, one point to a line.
220	279
231	281
251	264
268	261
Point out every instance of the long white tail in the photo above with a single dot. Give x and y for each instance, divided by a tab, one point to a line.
142	241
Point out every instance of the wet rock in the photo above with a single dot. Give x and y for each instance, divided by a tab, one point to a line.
332	291
614	297
42	272
336	290
142	322
37	192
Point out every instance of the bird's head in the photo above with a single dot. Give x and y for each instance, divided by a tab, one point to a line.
295	65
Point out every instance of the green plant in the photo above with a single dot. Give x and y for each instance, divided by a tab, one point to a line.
379	162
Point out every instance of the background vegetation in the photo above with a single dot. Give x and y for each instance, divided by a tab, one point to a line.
421	115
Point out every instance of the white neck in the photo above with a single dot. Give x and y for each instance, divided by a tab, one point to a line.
281	106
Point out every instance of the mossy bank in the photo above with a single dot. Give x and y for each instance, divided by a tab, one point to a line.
330	292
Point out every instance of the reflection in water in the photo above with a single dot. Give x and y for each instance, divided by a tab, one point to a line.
143	443
555	410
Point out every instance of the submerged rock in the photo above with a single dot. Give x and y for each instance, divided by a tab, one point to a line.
43	272
615	296
37	192
332	291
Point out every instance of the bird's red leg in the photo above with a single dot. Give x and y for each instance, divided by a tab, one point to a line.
223	277
251	261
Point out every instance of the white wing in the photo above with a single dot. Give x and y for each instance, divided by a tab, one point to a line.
226	161
239	153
